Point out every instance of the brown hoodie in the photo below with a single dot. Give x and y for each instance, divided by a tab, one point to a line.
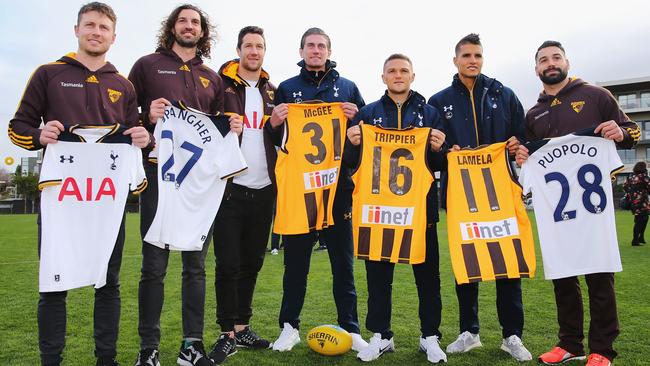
578	106
69	92
164	75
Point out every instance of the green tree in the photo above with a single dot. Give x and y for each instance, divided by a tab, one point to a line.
26	186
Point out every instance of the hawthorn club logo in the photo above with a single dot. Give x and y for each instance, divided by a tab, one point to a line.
205	82
114	95
577	106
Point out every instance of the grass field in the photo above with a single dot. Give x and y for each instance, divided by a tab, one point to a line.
19	296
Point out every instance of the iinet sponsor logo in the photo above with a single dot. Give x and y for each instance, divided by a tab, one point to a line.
320	178
387	215
489	229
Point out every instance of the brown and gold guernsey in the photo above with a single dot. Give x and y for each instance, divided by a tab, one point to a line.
389	199
489	231
308	167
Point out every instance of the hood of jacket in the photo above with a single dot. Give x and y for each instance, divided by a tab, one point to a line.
71	59
310	75
493	86
230	70
573	83
164	51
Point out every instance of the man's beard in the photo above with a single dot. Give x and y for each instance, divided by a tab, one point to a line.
186	43
555	79
246	67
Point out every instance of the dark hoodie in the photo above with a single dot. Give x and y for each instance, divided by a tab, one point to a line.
163	74
578	106
70	93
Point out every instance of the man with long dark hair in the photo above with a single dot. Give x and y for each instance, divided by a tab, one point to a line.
174	72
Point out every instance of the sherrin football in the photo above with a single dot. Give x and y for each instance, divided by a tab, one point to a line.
329	340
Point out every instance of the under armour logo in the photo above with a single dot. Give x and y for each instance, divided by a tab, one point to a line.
70	159
57	278
377	121
298	94
336	91
347	216
114	157
203	237
448	108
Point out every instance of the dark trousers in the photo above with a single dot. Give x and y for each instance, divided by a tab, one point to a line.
603	326
297	255
106	318
640	223
152	277
241	233
275	241
510	309
427	279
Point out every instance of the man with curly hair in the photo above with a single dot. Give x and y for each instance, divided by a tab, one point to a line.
174	72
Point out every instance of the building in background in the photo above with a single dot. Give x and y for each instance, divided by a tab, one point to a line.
633	96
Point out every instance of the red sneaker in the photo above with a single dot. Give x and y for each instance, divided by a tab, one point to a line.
558	356
598	360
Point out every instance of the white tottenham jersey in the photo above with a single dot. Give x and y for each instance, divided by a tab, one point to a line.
84	189
569	178
196	155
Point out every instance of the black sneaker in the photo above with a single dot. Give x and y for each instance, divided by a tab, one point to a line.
148	357
106	361
225	347
248	338
193	354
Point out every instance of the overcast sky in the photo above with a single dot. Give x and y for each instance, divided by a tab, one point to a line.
604	40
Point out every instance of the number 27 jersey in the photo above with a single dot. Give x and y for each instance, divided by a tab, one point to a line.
569	178
196	155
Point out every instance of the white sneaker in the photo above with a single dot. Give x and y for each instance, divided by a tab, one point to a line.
376	348
288	338
465	342
431	346
516	349
358	343
274	252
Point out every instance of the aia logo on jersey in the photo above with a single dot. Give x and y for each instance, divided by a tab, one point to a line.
387	215
256	123
70	188
489	229
320	178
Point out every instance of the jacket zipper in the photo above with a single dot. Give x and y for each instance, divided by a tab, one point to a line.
323	78
471	98
399	115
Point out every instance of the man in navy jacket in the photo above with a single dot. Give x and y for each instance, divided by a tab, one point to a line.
318	80
400	108
480	110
